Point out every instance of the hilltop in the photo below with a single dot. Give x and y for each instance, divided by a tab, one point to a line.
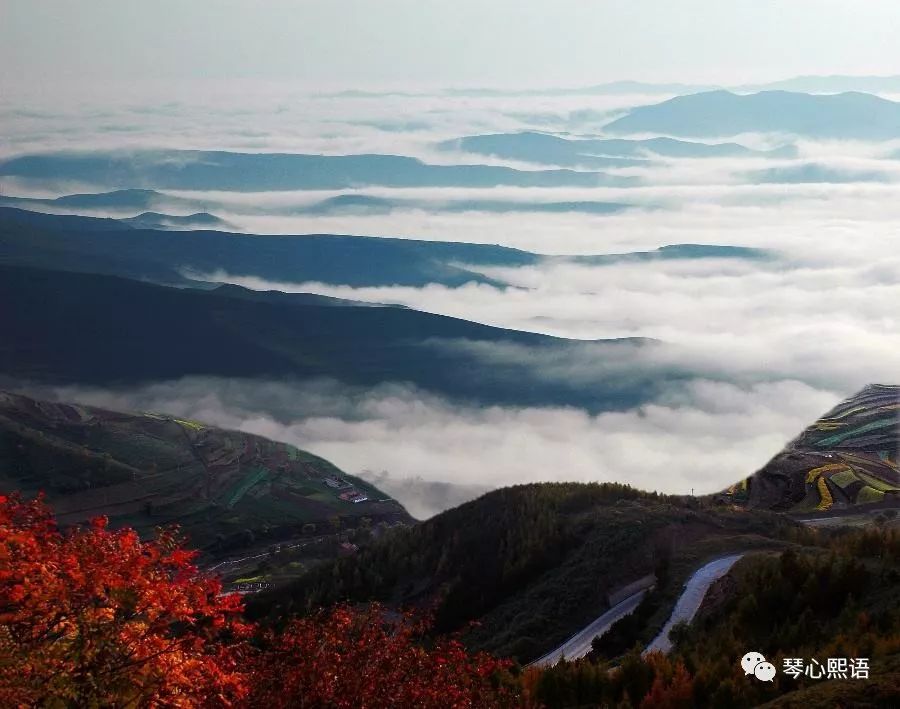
722	113
845	460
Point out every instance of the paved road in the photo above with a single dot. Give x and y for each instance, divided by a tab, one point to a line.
689	602
579	644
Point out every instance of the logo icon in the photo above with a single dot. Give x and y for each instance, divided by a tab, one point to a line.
755	663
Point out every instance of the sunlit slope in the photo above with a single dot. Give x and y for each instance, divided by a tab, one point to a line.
847	458
224	488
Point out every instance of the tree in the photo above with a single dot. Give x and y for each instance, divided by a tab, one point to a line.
95	617
350	658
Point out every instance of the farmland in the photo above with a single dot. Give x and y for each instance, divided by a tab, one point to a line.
847	458
230	492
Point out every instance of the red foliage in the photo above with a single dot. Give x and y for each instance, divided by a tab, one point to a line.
347	658
96	617
673	687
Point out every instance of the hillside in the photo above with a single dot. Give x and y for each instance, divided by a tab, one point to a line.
227	490
149	332
534	563
113	247
722	113
846	459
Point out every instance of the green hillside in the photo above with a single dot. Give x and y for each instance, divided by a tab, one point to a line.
227	490
534	563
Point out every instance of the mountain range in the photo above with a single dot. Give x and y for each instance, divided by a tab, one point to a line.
712	114
551	149
259	172
114	247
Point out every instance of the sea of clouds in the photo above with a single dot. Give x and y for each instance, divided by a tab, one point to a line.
767	344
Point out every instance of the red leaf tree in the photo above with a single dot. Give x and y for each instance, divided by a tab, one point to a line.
95	617
360	659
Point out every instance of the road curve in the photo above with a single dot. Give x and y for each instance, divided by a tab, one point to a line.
579	644
689	602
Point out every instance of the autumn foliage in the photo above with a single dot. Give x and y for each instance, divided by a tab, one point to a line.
367	659
95	617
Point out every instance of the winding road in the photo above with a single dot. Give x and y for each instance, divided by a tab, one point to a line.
685	609
579	644
689	602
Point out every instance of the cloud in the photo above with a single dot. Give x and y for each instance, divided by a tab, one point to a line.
432	454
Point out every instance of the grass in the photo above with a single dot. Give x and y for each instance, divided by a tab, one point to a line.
869	495
255	476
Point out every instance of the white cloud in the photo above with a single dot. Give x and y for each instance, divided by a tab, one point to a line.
712	435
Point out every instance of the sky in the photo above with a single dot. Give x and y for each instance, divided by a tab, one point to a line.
330	44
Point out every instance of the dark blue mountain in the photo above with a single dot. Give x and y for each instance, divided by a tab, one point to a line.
108	246
252	172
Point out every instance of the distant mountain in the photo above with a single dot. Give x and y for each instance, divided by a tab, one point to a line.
101	330
113	247
351	204
555	150
849	457
834	84
225	489
155	220
118	200
815	173
107	246
253	172
722	113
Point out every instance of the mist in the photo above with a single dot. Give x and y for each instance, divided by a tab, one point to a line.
431	454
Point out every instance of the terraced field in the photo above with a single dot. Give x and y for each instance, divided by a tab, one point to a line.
847	458
226	489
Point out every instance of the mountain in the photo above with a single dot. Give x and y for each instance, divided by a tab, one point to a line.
155	220
225	489
847	459
352	204
555	150
834	84
258	172
533	563
102	330
118	200
114	247
108	246
814	173
712	114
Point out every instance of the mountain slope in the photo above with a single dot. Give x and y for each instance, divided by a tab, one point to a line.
848	458
722	113
111	247
533	563
223	488
101	330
